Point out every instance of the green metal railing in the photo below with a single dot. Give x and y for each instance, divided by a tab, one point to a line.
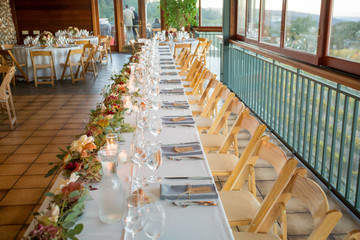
316	118
215	51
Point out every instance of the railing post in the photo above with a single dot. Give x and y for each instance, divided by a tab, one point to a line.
225	59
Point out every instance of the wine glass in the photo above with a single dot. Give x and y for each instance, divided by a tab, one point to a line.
142	119
154	160
153	219
139	158
156	126
155	102
133	222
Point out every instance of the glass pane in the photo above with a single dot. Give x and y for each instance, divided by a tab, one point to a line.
131	19
107	18
253	19
271	22
211	13
153	19
241	17
302	24
345	30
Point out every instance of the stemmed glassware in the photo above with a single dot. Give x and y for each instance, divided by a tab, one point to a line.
154	160
153	219
139	158
156	126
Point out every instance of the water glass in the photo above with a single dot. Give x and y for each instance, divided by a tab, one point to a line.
154	160
153	219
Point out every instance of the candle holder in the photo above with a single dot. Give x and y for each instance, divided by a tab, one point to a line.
112	141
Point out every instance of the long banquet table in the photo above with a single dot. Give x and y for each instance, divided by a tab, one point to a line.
194	222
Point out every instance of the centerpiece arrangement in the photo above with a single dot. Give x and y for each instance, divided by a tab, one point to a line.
80	166
72	31
46	38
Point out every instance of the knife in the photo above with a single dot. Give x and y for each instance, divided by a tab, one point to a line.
189	178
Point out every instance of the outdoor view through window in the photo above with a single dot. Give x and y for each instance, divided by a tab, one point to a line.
211	13
345	30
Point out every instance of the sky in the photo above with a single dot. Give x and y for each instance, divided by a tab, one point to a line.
342	8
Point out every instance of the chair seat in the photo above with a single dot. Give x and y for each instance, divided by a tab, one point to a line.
239	205
188	89
221	163
203	122
212	140
254	236
193	98
43	65
196	108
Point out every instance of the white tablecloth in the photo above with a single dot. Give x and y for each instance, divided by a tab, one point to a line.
194	222
22	55
193	41
93	39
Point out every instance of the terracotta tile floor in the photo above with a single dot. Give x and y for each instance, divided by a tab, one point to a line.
300	222
48	118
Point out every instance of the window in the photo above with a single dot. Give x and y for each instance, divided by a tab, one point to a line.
345	30
253	19
153	19
271	22
241	17
107	18
319	32
211	13
302	25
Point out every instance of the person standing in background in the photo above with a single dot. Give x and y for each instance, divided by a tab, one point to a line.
128	21
135	22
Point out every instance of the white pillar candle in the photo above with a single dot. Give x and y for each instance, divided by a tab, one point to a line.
123	156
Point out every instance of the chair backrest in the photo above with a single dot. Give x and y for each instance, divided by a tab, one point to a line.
103	41
155	30
7	46
246	122
213	101
213	83
199	47
353	235
193	70
88	48
108	42
40	53
198	85
5	85
82	42
5	57
244	169
180	46
231	105
76	52
311	195
202	39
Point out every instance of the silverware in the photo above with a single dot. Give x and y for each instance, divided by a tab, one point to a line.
189	178
185	204
179	125
181	143
179	158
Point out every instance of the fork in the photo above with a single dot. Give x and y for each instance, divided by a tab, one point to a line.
185	204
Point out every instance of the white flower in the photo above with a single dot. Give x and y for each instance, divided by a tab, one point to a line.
52	213
110	116
64	183
103	108
80	143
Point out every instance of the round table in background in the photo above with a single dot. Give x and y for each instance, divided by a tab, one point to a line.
193	41
93	39
22	55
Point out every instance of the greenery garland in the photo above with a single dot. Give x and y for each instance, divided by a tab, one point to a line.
80	166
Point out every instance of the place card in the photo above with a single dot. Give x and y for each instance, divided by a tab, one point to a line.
198	190
183	149
177	119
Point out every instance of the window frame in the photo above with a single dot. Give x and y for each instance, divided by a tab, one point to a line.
207	28
320	58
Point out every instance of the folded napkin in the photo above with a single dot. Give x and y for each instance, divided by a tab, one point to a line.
169	74
181	150
190	192
174	81
174	91
178	120
166	60
175	104
169	67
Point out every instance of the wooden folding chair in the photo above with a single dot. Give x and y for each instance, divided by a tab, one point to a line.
202	54
232	105
70	62
196	87
180	46
240	171
222	144
10	60
353	235
7	46
108	46
189	75
89	59
82	42
210	108
50	65
199	48
102	50
132	44
137	33
202	39
202	99
155	30
5	94
304	190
